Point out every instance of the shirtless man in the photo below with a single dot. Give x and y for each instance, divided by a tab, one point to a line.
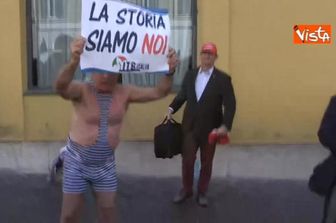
99	108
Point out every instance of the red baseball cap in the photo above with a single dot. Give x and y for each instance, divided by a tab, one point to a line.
209	48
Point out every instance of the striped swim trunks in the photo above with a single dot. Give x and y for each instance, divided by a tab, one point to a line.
83	167
91	165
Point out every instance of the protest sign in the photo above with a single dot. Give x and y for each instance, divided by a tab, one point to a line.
122	37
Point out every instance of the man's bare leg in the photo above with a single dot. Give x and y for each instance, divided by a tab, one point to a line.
71	207
106	207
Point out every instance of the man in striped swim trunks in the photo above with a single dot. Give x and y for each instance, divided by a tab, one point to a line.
99	109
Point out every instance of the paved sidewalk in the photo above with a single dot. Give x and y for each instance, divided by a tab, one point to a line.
137	158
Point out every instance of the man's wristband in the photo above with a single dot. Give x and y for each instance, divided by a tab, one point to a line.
171	109
170	74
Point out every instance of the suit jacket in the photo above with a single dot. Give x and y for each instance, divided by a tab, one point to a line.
202	116
327	130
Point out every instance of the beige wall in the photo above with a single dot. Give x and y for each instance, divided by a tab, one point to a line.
281	88
11	105
46	118
214	26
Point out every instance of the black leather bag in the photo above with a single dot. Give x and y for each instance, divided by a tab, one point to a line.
324	176
167	139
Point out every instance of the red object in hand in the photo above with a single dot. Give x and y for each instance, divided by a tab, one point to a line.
214	138
223	139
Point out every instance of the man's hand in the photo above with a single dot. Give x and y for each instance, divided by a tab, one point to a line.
172	60
76	47
219	135
63	83
221	131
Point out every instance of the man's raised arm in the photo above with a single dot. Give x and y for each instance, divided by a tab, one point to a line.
64	84
139	94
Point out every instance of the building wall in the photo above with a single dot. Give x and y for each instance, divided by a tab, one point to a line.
281	88
11	70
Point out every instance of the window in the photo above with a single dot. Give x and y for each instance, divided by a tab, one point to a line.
54	23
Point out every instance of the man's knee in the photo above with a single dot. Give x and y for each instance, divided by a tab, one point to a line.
71	213
106	206
108	209
71	208
107	214
70	217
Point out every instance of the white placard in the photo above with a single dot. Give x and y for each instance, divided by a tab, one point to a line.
122	37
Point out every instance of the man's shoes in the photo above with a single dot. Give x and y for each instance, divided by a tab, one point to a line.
55	169
202	200
181	196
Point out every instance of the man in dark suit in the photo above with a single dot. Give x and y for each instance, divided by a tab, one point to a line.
210	108
327	137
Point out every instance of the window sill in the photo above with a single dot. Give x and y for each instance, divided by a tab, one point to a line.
43	92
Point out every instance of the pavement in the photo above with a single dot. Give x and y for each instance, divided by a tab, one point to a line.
254	184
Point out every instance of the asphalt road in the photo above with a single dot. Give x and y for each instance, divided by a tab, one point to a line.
30	199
